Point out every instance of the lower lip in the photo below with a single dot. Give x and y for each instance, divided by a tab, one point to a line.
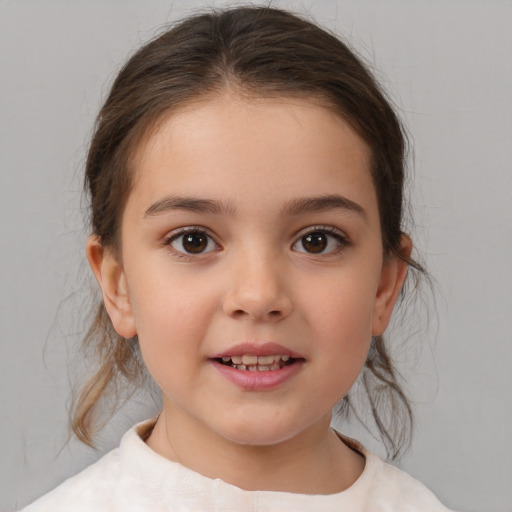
258	381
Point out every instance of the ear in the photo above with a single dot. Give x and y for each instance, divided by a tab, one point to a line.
392	278
110	276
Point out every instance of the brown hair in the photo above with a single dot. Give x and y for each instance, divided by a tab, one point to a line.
259	51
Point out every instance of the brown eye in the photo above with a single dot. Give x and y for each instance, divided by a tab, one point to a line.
314	242
193	242
320	240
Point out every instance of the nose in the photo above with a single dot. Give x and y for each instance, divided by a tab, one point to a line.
257	290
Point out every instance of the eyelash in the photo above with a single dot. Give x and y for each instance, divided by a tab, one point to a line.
181	232
330	231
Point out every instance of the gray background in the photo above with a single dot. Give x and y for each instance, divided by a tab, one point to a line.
448	66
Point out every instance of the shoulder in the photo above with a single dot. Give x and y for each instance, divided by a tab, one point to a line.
106	485
88	489
79	487
396	490
385	488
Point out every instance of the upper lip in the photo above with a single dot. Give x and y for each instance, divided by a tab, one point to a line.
257	349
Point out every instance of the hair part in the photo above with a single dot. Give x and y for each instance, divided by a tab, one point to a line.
257	52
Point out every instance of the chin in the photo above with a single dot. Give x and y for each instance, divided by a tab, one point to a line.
260	433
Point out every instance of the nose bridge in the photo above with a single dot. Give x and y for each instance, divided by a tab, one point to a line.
257	286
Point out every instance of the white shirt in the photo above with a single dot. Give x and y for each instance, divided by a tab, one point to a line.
135	478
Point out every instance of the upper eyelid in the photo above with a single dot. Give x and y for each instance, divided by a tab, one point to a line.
174	234
183	230
331	230
335	233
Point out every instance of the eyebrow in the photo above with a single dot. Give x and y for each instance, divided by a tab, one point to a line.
295	207
323	204
190	204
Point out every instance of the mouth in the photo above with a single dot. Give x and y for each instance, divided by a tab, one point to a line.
258	367
254	363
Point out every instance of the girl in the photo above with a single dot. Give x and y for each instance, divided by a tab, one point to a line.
245	180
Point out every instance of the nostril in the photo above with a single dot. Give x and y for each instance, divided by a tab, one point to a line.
239	313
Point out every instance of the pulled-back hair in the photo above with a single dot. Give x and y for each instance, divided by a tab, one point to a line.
262	52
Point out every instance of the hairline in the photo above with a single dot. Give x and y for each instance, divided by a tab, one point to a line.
146	127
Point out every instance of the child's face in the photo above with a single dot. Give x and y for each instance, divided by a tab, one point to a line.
252	230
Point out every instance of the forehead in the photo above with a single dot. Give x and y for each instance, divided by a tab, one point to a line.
233	147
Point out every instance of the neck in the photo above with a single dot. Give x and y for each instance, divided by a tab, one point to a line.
314	461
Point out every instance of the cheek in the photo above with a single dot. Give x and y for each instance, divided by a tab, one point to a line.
346	333
342	321
346	308
165	298
345	351
171	320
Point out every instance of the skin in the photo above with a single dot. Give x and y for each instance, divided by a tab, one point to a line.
256	281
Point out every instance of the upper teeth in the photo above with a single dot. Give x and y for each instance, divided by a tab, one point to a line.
249	360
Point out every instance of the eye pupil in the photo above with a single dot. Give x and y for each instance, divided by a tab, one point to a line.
314	242
195	242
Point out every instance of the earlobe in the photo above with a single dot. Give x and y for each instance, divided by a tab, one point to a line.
110	275
392	278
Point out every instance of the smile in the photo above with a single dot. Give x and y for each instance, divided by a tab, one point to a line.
258	366
255	363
